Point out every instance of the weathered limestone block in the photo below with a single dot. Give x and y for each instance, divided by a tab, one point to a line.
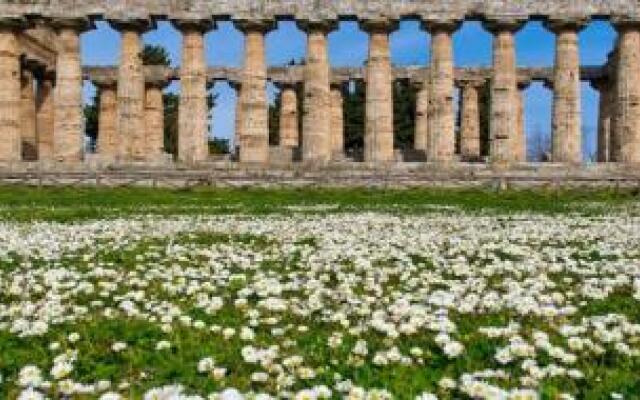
131	92
68	137
10	96
470	123
567	123
378	138
422	118
503	123
289	132
337	122
154	121
44	118
316	135
108	146
254	139
193	118
441	139
29	147
627	123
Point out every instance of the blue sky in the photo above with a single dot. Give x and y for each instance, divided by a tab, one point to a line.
348	47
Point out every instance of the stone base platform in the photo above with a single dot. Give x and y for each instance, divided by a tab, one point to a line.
338	174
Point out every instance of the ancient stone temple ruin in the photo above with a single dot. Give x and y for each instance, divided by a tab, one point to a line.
41	118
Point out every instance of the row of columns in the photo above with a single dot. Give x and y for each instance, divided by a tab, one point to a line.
133	133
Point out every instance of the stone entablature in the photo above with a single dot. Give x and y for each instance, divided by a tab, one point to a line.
314	10
295	74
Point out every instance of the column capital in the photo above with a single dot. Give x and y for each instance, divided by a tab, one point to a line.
282	85
523	84
471	83
139	25
495	25
379	25
625	23
13	23
600	84
103	83
198	25
448	26
563	25
79	24
251	25
324	26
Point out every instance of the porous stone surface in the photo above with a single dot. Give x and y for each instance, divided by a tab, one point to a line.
337	123
68	144
566	121
289	132
254	138
441	139
316	123
628	96
154	123
44	119
192	116
10	95
470	123
422	119
108	146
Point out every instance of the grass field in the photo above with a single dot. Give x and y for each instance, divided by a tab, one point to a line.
316	293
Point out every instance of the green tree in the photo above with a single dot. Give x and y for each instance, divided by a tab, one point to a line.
155	55
90	112
404	114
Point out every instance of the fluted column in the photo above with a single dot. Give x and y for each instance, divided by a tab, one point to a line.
108	145
337	122
378	139
470	122
254	139
628	92
44	117
566	122
421	133
603	150
441	139
154	121
193	117
289	132
131	91
68	135
9	91
28	117
316	136
503	122
519	142
238	118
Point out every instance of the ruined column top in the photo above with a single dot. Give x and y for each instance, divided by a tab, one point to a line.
324	10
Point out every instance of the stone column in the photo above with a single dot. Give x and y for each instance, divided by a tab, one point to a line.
337	122
254	139
131	91
503	122
421	134
603	150
567	124
316	135
154	121
289	132
193	135
441	139
44	117
470	122
614	144
378	139
9	91
108	146
627	125
68	135
519	148
238	118
29	148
